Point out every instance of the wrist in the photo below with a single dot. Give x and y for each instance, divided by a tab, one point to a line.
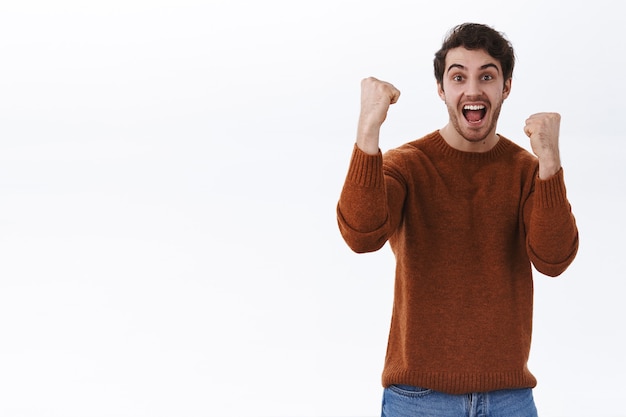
367	139
548	168
368	146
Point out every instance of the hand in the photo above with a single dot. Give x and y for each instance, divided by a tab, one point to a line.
376	97
543	131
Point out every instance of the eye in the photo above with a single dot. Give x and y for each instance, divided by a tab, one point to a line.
457	78
487	77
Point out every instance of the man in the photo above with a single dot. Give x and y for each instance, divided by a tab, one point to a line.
466	212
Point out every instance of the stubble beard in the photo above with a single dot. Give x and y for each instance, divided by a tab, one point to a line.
465	134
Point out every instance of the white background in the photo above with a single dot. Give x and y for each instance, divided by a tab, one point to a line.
169	172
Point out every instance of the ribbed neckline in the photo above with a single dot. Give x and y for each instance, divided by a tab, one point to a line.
440	143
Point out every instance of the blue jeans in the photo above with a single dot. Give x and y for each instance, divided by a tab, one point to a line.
409	401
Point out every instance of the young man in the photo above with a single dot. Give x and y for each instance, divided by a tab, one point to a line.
466	212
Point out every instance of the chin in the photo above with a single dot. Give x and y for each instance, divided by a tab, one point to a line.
475	135
475	139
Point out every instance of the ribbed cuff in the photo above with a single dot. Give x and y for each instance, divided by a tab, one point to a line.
366	170
551	192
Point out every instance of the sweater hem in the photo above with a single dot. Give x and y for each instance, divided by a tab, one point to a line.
461	382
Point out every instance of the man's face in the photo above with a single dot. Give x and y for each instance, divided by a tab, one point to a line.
473	90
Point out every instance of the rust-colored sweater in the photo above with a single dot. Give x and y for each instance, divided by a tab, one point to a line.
464	228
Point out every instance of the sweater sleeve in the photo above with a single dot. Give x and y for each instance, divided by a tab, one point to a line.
551	234
370	203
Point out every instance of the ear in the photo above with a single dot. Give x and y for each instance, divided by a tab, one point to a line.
442	94
507	88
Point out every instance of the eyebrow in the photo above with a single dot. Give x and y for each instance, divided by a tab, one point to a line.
490	65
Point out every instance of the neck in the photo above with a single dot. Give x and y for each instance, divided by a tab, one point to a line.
460	143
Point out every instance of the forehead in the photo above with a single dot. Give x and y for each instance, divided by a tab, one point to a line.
474	59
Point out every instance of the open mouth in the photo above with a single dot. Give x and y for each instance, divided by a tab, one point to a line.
474	113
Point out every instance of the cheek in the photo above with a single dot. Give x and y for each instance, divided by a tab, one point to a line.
493	96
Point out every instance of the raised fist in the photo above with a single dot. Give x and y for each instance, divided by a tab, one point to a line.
543	131
376	97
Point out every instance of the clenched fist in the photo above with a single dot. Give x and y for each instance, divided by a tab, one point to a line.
376	97
543	131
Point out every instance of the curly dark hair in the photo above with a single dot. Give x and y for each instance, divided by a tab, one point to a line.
476	36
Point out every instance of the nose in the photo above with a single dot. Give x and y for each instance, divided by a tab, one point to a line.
473	88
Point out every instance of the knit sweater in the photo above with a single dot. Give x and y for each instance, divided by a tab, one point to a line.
464	228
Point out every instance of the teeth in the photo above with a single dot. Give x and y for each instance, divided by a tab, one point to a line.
474	107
